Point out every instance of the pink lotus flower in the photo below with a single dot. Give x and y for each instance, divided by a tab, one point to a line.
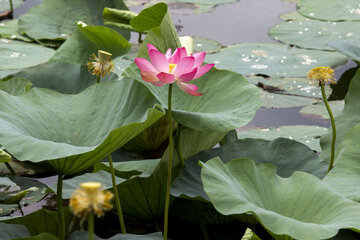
169	68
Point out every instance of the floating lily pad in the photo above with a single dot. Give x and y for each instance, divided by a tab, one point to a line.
82	130
334	10
18	55
292	16
287	155
348	48
60	22
300	206
206	45
308	135
87	40
319	109
10	30
313	34
5	4
273	59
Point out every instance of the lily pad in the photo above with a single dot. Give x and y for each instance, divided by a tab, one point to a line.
82	130
313	34
10	30
348	48
206	45
287	155
15	86
18	55
12	231
87	40
308	135
83	235
319	109
59	23
273	59
284	206
335	10
292	16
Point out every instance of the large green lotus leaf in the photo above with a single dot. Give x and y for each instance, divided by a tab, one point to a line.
313	34
300	206
41	221
76	130
347	119
12	231
15	86
87	40
142	196
308	135
5	4
348	48
273	59
287	155
62	77
334	10
344	177
10	30
60	22
83	235
249	235
16	55
319	109
229	101
287	92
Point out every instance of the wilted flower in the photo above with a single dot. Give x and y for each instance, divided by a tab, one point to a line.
90	197
169	68
101	64
324	75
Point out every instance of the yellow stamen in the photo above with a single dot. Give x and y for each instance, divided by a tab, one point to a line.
171	67
324	75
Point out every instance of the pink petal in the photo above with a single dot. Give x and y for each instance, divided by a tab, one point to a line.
175	57
183	53
166	77
149	77
189	88
168	54
150	47
187	77
159	61
185	65
202	70
199	58
144	65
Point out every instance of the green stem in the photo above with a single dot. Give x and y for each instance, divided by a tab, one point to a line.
117	199
140	40
168	182
59	207
90	220
332	126
21	211
11	6
178	148
98	79
13	173
204	232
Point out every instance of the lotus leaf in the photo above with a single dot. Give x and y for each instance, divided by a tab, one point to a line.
15	86
335	10
348	48
76	130
5	5
273	59
12	231
313	34
206	45
59	23
87	40
287	155
10	30
83	235
300	206
319	109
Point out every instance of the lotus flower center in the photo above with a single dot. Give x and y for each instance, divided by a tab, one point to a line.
171	67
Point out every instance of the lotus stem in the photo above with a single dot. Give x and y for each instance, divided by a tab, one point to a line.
59	207
90	220
21	211
12	171
117	199
98	79
139	39
204	232
171	150
11	6
331	163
